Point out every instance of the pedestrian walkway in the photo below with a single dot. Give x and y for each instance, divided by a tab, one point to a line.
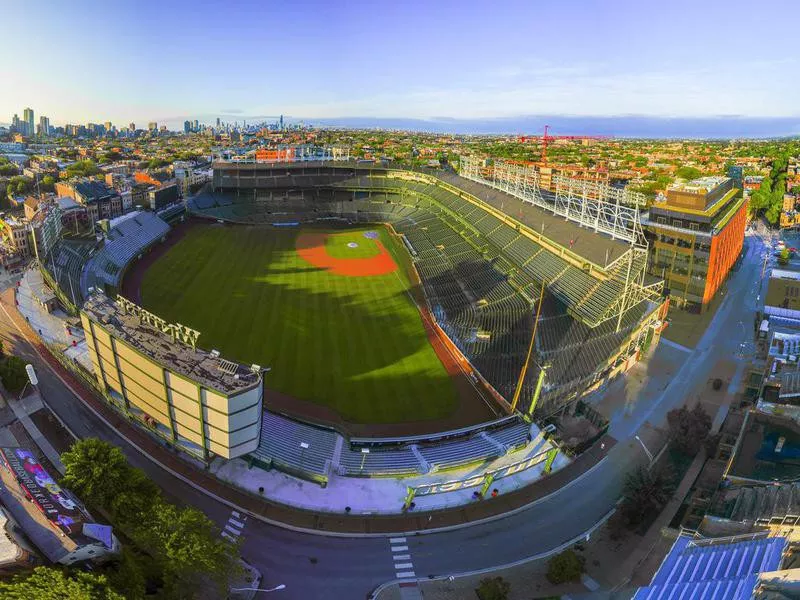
22	409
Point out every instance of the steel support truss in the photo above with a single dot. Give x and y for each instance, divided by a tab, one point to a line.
592	205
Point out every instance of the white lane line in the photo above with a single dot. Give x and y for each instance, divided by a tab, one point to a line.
229	537
238	524
399	566
399	548
405	574
397	540
402	557
235	514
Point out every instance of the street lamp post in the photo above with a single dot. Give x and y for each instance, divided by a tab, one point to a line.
646	451
364	452
275	589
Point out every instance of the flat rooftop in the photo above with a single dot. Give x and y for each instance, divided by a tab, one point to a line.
701	185
784	274
597	248
212	372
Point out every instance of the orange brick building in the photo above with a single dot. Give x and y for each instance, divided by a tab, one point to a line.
696	236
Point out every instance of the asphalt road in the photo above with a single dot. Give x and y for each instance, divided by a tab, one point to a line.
315	566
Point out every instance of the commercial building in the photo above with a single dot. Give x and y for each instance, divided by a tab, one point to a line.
696	235
28	122
44	126
101	201
16	235
52	518
152	371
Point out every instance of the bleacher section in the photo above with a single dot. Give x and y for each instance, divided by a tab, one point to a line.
280	447
129	237
281	439
725	569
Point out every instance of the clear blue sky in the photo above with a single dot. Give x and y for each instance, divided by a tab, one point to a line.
123	61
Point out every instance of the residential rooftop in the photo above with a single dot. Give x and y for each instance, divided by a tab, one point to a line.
205	367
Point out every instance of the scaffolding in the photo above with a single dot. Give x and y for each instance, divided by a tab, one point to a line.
596	206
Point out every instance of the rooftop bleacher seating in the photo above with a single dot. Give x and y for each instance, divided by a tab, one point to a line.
725	569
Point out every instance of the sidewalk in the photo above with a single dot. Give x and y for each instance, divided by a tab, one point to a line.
513	496
22	409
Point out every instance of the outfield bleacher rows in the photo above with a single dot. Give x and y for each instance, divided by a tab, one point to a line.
126	240
314	452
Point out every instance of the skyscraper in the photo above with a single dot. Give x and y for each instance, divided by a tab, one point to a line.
217	122
16	123
196	126
187	127
28	118
132	127
44	126
152	126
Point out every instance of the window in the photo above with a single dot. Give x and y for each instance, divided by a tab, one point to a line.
677	223
661	220
694	226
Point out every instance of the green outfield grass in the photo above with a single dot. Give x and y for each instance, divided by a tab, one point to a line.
354	344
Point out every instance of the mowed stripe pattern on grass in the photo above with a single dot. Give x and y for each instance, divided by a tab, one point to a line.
354	344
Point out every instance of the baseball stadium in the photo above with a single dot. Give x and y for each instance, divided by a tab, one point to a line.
435	317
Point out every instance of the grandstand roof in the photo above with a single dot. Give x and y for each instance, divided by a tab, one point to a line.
196	364
594	247
726	568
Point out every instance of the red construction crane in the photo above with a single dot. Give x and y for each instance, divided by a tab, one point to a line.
547	138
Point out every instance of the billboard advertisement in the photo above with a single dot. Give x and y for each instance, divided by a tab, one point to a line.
37	484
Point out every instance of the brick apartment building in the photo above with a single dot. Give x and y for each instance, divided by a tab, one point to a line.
696	235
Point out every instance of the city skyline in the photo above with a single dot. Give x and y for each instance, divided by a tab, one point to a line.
317	61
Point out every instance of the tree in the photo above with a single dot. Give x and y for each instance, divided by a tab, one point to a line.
564	567
688	429
185	545
13	374
99	473
688	173
493	588
46	583
646	492
48	183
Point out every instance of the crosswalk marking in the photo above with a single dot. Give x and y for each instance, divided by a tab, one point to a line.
233	528
403	567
